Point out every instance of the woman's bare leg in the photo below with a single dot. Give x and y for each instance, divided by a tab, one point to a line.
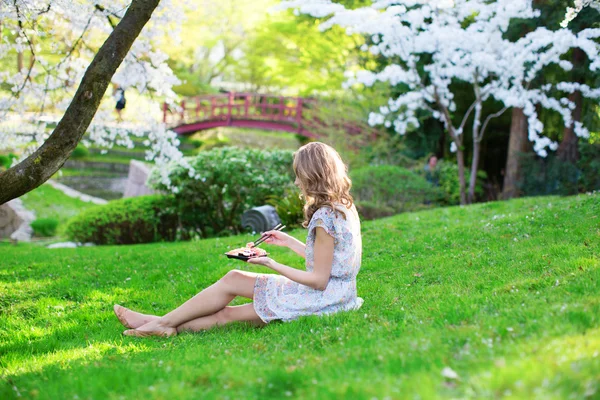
226	315
208	302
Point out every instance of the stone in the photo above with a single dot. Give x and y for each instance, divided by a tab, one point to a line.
15	221
62	245
136	180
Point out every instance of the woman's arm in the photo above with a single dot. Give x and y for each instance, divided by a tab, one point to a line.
279	238
297	247
319	277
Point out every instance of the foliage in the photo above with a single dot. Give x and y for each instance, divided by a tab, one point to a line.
80	152
4	162
143	219
215	187
589	166
341	122
426	61
519	300
382	190
554	176
44	226
572	12
289	207
449	185
47	48
288	51
545	176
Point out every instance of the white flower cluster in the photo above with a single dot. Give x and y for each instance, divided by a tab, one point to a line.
462	41
579	5
57	40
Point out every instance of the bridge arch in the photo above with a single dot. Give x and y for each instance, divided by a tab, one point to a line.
245	110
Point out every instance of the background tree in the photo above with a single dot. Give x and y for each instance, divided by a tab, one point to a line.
463	43
47	159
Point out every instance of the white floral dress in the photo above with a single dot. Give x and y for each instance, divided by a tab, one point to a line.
277	297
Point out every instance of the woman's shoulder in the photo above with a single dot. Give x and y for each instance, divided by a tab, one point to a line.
338	211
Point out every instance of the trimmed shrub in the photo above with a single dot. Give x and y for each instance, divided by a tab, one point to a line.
80	152
383	190
44	226
224	183
143	219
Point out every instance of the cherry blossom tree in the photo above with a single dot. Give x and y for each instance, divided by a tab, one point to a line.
75	50
432	45
578	6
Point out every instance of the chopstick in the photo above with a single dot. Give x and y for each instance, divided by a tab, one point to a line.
264	237
278	227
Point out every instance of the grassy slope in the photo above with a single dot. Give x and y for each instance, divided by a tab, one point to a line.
48	202
506	294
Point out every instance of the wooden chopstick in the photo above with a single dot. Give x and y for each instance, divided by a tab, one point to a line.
265	237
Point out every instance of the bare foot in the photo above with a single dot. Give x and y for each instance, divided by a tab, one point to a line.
132	319
152	328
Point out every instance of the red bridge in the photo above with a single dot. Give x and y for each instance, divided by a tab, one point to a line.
247	110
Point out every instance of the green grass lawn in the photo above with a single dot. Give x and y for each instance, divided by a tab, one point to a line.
506	294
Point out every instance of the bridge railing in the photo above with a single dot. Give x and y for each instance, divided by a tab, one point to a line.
236	106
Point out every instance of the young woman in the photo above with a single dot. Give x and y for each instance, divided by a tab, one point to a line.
333	252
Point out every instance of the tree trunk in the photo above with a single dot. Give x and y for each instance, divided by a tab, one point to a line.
517	145
567	150
50	157
474	166
460	160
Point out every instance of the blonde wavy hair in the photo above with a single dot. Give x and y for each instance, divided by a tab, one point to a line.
323	178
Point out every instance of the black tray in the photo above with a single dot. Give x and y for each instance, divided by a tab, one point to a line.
243	258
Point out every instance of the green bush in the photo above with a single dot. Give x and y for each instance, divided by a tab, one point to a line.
5	161
289	207
551	175
546	176
227	181
44	226
143	219
449	185
196	143
80	152
382	190
589	166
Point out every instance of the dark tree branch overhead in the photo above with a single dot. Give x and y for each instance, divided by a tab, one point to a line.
50	157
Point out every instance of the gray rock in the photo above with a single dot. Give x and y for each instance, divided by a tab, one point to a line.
136	180
15	221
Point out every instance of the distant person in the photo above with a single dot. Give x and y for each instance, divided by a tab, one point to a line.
332	251
119	95
431	171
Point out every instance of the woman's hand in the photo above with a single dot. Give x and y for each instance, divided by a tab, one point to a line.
265	261
278	238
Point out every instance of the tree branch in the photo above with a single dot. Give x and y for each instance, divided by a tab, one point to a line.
496	114
51	156
466	116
